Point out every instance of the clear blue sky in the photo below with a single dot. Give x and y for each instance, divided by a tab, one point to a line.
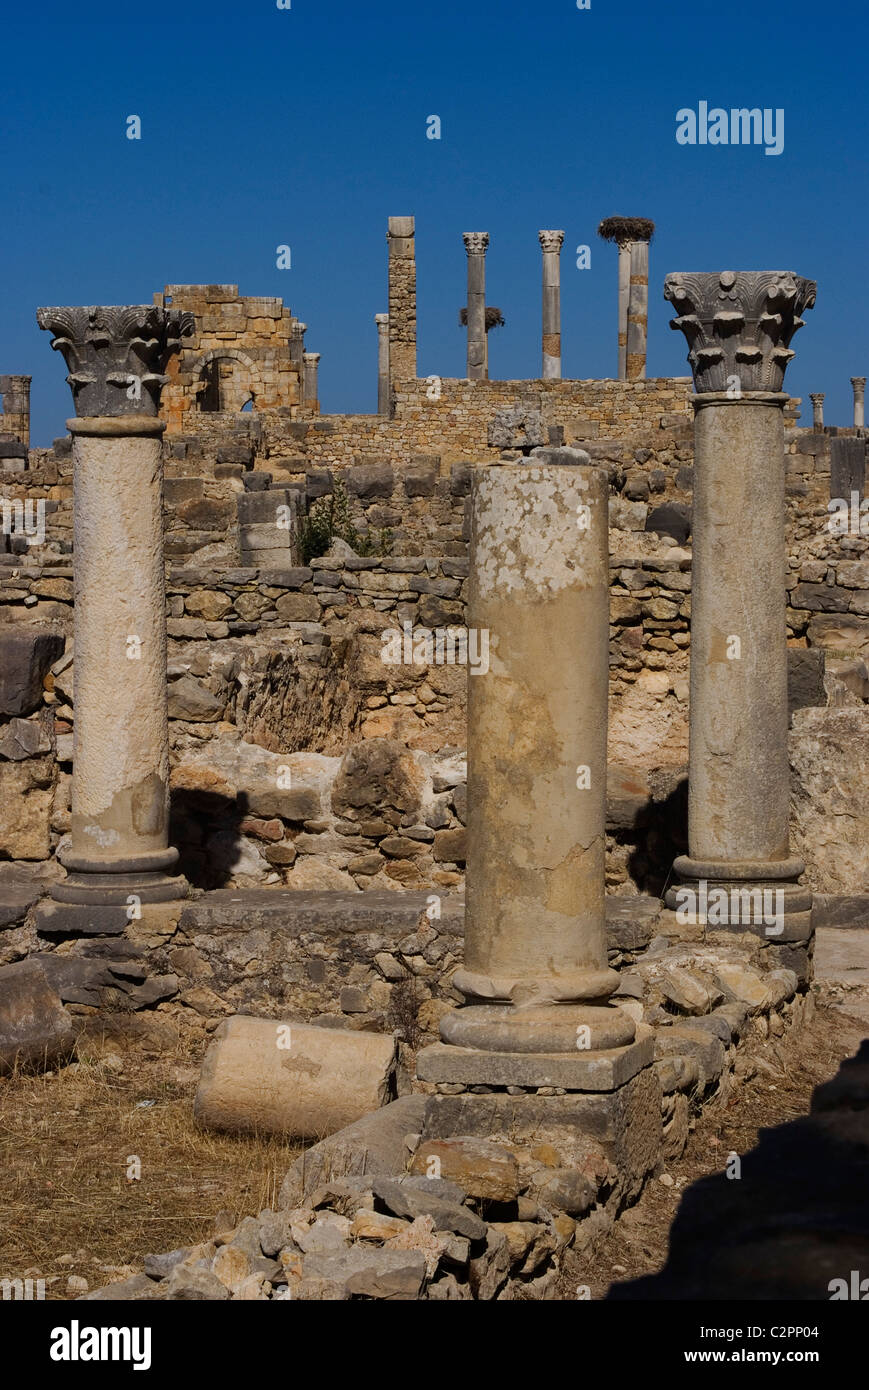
308	127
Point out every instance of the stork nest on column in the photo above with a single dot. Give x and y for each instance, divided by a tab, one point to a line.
621	229
494	318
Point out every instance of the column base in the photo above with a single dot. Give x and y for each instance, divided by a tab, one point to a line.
760	897
578	1071
116	889
564	1028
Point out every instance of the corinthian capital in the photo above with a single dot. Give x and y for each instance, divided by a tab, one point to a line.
551	241
739	323
475	242
116	354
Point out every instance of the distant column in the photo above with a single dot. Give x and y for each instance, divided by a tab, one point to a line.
632	236
402	299
551	243
624	299
297	353
817	400
859	386
638	310
383	393
311	397
15	391
478	358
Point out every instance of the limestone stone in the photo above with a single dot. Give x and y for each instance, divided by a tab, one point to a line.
25	658
35	1028
480	1167
264	1076
373	1145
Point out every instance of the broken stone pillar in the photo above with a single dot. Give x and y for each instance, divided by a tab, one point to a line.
638	310
311	396
817	400
551	243
847	467
15	393
478	354
402	299
631	235
120	788
264	1076
858	384
383	394
739	326
297	353
535	976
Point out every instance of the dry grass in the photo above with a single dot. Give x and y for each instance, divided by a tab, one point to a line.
66	1141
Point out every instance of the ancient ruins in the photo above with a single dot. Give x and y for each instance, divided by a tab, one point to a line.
471	777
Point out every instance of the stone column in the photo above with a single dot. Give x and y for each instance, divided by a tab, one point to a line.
402	298
535	975
478	353
311	396
858	384
120	789
638	310
632	236
15	391
384	404
739	326
551	242
297	353
817	400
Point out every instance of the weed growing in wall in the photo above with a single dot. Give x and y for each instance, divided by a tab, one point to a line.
329	518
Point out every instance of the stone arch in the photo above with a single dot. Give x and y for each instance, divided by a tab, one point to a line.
216	389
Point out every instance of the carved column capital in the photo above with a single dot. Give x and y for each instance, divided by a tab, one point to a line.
551	241
739	323
382	320
817	397
116	354
475	242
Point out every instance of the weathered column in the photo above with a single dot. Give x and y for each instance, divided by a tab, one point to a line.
551	243
638	310
311	396
739	326
402	298
817	400
535	974
383	393
858	384
120	788
297	353
629	234
478	356
15	392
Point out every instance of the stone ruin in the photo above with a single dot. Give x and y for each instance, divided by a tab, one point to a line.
403	826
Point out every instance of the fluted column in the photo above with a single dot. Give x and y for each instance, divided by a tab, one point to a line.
551	244
858	385
311	396
383	392
739	326
535	976
478	356
817	400
120	787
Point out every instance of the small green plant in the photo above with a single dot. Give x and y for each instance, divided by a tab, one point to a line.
328	518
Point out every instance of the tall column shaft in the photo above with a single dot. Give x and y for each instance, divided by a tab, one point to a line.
739	325
311	388
402	298
120	786
638	311
858	384
551	243
738	781
624	299
384	403
478	359
297	353
15	406
120	795
817	400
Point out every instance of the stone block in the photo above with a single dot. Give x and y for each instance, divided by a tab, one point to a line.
376	1144
579	1071
35	1028
805	678
25	658
369	480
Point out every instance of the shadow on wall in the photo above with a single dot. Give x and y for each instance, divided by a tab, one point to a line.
206	829
661	834
793	1225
